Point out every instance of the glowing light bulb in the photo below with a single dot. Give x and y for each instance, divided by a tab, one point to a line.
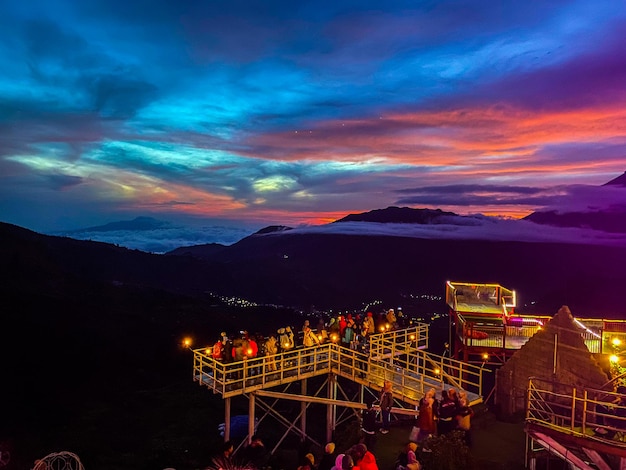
485	356
616	341
614	359
437	371
187	342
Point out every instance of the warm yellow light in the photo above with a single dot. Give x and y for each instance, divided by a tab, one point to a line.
208	351
437	371
286	345
319	337
614	359
485	356
382	328
616	341
187	342
249	351
412	337
334	338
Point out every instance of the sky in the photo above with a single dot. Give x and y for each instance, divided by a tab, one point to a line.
246	114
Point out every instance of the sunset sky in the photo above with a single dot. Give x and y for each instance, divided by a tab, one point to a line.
275	112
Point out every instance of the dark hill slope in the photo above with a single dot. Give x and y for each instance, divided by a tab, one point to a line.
25	254
335	270
95	366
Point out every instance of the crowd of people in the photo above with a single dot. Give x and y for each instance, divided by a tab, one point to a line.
435	414
256	456
349	330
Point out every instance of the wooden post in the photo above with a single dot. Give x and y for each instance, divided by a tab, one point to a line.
330	408
251	419
226	419
303	411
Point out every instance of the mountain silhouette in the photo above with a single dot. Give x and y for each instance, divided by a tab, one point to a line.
330	270
136	224
401	215
610	219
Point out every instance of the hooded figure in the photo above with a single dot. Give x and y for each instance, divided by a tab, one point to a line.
363	458
328	459
338	462
286	339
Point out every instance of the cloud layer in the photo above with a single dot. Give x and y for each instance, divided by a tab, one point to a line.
289	113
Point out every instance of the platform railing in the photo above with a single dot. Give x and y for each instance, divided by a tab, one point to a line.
599	335
394	342
397	358
584	412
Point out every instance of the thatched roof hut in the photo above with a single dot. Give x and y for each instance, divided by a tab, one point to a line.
557	353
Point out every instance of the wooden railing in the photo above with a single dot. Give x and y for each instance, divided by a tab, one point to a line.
395	356
584	412
600	336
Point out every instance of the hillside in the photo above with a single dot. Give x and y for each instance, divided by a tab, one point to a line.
91	332
334	270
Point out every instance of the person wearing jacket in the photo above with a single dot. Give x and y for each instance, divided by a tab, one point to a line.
363	458
338	461
369	426
386	402
271	349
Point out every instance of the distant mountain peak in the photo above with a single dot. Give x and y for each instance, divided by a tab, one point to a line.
398	215
611	219
273	229
619	181
137	224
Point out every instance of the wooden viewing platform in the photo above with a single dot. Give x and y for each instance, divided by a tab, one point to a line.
585	427
484	322
398	356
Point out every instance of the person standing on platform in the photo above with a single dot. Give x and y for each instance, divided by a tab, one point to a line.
369	328
309	340
271	349
386	402
391	319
